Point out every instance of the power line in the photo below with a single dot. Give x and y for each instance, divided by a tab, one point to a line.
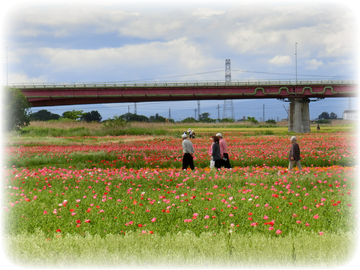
290	74
175	76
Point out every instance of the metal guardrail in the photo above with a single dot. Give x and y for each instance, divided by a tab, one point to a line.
180	83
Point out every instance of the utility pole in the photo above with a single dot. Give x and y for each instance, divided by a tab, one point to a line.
169	113
198	109
264	112
128	108
296	63
218	107
135	109
195	113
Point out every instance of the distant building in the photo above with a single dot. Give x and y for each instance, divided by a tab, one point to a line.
351	115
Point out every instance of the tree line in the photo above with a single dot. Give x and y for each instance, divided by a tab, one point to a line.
326	115
44	115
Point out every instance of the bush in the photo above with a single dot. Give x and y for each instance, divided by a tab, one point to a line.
252	120
16	108
323	121
270	121
116	122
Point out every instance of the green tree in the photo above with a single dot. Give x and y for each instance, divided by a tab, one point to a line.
157	119
131	117
189	120
15	109
324	115
117	121
43	115
204	117
323	121
270	121
93	116
252	120
73	114
333	115
226	120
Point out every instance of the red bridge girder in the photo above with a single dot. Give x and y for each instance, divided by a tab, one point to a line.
40	96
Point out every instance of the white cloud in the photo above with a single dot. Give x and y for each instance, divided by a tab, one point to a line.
174	52
162	60
74	39
313	64
19	5
15	78
280	60
206	13
342	62
246	2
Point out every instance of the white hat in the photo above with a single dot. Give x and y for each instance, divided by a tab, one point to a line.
218	135
184	136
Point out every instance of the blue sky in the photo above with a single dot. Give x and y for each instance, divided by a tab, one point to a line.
108	41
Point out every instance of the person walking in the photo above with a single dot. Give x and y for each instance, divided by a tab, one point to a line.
215	153
294	154
188	151
225	162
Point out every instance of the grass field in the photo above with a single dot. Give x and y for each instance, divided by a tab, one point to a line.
86	200
181	250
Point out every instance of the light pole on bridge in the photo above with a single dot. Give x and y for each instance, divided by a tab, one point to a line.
296	63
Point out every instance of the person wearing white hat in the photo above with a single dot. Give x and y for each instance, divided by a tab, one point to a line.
294	154
188	151
223	152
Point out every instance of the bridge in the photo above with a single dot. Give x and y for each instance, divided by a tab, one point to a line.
298	93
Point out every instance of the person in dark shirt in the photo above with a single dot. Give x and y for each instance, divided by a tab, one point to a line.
294	154
215	153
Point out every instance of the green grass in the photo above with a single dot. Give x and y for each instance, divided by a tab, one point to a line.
181	250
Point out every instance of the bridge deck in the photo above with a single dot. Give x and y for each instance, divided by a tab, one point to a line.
92	93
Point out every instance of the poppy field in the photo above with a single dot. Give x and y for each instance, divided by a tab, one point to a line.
136	191
317	150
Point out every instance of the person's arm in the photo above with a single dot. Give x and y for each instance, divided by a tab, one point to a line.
291	153
221	149
297	152
211	149
190	148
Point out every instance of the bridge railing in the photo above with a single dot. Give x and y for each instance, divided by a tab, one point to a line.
179	83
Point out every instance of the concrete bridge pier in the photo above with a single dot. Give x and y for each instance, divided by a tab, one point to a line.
299	115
